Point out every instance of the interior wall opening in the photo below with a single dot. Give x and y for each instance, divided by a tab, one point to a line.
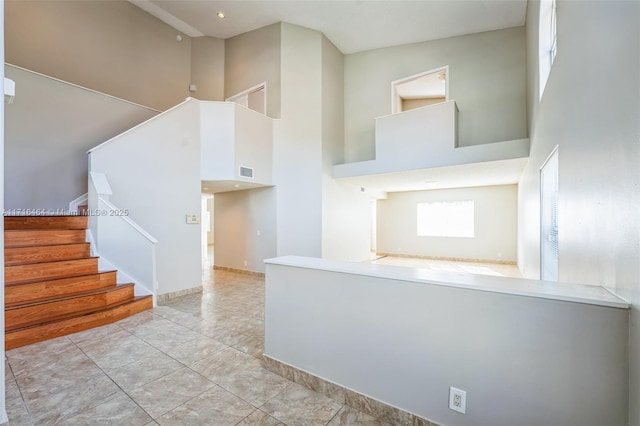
463	230
207	233
427	88
254	98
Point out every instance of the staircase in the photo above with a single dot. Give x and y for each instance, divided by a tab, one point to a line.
52	284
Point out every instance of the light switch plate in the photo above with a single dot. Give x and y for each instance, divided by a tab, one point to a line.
193	219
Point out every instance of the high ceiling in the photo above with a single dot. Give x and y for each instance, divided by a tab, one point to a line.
353	26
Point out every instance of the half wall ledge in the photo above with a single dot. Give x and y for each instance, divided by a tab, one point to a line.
401	337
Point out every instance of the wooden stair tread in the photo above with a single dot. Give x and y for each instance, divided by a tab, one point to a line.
53	286
20	293
55	310
106	308
45	222
14	256
40	237
49	330
25	282
48	270
69	297
50	245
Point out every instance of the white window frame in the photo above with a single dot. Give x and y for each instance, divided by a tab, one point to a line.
442	227
547	42
553	32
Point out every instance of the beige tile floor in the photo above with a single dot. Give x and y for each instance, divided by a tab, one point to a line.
193	361
481	268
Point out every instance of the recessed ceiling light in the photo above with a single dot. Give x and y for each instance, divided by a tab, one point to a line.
220	15
236	186
205	187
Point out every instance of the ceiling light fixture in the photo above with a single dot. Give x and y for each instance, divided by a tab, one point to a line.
220	15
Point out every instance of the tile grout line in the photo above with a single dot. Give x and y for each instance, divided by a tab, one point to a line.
24	402
188	367
113	381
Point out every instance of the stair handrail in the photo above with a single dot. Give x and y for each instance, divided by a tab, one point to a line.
77	202
86	89
131	223
140	267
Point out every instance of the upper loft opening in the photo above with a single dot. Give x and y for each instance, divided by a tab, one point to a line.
254	98
427	88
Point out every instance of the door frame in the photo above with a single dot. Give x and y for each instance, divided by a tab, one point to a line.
554	155
396	101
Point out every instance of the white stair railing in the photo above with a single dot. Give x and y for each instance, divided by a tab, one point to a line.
79	201
120	241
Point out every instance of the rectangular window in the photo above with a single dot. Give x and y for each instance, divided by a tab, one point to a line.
554	34
446	219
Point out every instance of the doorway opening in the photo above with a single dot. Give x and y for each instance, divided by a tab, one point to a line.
374	229
427	88
254	98
207	233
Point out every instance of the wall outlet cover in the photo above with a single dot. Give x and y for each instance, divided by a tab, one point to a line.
457	400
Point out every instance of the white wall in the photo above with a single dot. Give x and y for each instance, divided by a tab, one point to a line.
298	144
408	137
487	80
49	127
217	148
207	68
234	136
316	215
253	58
110	46
346	212
154	172
253	138
245	223
594	121
495	238
426	138
522	360
346	222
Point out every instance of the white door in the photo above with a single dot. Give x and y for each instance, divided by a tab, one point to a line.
549	218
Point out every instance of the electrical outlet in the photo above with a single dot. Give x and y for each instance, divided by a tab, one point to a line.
457	400
245	263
